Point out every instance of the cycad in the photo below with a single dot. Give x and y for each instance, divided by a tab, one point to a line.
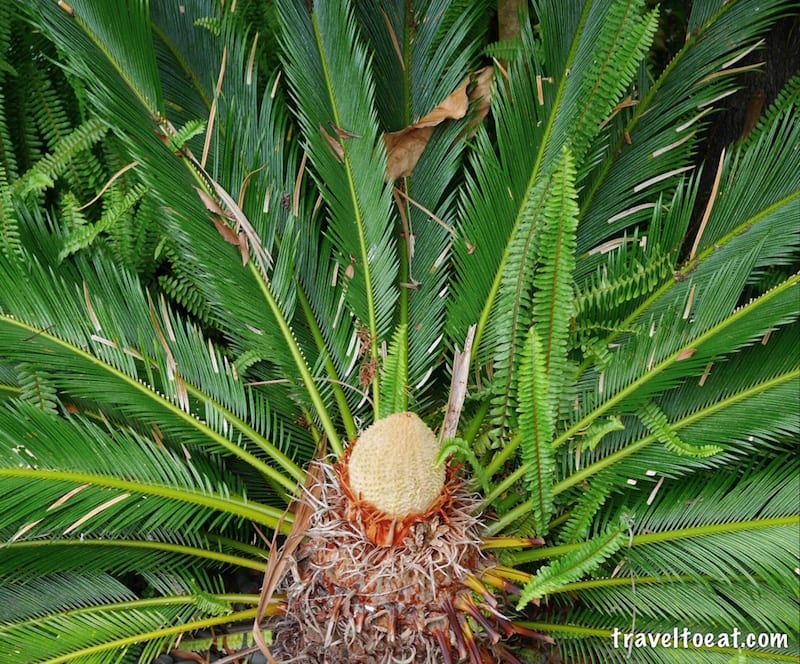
254	295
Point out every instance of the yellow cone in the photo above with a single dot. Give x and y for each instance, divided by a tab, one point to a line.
393	466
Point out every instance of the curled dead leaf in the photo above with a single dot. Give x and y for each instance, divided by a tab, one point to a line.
481	93
227	233
454	107
405	147
210	204
335	145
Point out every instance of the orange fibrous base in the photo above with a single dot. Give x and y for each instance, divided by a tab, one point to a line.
412	592
385	529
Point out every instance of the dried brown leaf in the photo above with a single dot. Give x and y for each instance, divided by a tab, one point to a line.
335	145
458	386
454	107
210	204
277	562
481	93
244	247
404	148
226	231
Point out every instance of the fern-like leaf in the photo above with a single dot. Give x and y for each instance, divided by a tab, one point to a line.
655	420
536	429
572	566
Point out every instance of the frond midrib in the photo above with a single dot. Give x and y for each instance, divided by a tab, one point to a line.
117	644
672	359
359	219
153	545
733	526
245	509
487	308
143	389
690	266
585	473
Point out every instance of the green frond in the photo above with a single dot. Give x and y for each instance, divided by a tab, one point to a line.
37	597
656	601
186	55
537	285
679	347
108	632
773	155
177	557
176	181
614	38
83	237
35	387
43	175
128	480
572	566
536	426
159	391
669	120
656	421
180	290
394	398
9	226
599	429
553	281
582	516
750	420
328	68
49	110
428	270
616	276
188	131
122	33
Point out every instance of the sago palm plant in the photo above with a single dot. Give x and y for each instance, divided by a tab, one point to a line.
413	326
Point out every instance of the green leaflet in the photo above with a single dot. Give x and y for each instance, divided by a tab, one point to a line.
43	175
656	421
84	235
552	281
191	129
572	566
599	429
394	388
462	451
537	285
536	429
36	388
585	511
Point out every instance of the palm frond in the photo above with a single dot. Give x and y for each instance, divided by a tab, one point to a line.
583	560
329	72
91	366
669	119
545	242
118	479
108	632
125	96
